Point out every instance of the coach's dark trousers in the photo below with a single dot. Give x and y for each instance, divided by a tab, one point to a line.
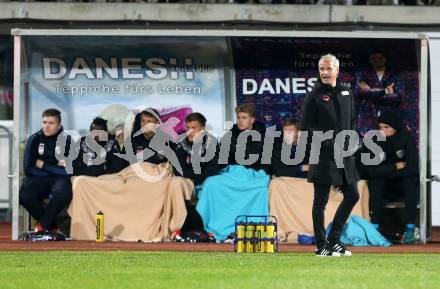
321	195
35	189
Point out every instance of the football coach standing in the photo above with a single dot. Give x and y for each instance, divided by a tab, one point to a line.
329	109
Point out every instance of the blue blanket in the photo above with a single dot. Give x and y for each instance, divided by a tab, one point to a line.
235	191
360	232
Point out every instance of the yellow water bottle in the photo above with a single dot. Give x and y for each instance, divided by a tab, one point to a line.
241	234
270	237
259	235
250	235
100	227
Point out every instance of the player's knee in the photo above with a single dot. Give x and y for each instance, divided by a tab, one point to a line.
62	191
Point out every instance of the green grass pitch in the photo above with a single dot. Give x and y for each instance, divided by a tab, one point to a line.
196	270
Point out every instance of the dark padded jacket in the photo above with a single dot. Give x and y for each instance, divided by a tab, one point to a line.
328	108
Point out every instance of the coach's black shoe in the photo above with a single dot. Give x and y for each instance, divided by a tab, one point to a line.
340	248
326	251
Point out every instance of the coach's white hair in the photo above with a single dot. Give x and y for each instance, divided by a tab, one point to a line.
332	58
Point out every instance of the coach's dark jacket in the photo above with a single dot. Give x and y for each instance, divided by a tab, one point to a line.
330	108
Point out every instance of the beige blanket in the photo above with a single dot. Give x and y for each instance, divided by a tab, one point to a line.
291	202
133	208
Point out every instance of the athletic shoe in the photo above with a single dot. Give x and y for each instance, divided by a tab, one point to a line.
176	237
409	237
341	249
39	228
43	236
230	239
211	238
326	252
195	236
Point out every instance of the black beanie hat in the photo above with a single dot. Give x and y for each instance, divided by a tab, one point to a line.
390	119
